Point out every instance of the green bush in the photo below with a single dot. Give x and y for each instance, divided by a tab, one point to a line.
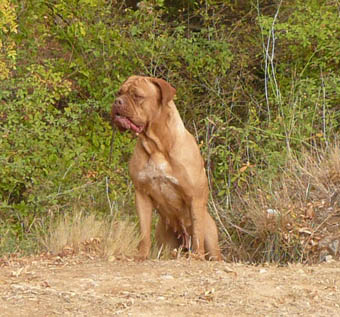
54	150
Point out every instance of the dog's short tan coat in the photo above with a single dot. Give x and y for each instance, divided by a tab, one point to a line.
166	168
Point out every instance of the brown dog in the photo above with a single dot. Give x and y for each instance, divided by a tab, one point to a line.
166	168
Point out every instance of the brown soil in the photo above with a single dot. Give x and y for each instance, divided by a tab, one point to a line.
75	286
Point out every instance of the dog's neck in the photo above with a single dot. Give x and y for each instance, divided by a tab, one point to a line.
161	133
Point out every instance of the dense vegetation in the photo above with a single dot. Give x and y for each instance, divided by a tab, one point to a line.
258	84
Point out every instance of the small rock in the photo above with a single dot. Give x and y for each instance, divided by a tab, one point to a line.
334	246
329	258
18	287
111	258
272	213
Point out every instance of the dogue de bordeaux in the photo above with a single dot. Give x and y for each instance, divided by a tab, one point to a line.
166	168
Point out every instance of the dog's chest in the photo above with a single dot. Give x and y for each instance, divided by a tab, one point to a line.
158	180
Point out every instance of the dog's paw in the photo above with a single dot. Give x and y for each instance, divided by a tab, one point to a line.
140	258
197	256
215	257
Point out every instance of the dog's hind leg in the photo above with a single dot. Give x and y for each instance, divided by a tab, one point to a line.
211	240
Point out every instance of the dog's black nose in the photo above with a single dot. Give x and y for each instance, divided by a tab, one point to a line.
119	101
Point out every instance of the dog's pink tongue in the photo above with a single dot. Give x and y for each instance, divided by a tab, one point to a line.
136	128
125	123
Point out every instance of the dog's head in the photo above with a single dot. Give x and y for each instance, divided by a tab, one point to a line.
139	100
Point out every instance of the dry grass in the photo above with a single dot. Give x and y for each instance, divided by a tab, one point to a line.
81	232
296	218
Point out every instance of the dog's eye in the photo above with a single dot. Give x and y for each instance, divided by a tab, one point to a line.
137	97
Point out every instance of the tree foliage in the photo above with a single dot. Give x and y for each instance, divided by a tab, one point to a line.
8	26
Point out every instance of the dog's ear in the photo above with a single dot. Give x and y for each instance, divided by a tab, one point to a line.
167	91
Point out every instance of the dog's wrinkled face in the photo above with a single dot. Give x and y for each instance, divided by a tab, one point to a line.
137	102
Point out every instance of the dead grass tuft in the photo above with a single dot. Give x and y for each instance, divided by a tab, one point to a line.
82	232
295	218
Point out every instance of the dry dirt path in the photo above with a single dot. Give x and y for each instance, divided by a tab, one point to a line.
78	287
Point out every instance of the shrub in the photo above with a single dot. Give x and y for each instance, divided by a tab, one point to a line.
54	150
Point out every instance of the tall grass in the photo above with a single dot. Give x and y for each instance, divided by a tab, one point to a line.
296	217
86	232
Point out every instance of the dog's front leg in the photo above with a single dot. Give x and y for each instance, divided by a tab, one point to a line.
198	211
144	211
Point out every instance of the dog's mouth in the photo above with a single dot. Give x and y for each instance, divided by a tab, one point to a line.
124	123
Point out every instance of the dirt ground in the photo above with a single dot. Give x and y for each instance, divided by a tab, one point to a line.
75	286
